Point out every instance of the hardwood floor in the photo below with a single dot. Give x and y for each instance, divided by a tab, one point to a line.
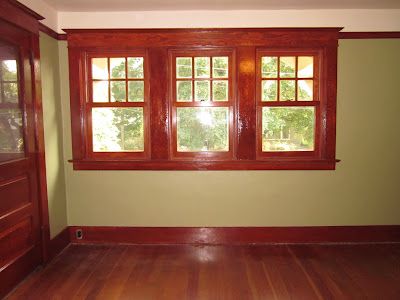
218	272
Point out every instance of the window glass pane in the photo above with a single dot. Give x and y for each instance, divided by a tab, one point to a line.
202	129
135	67
99	68
288	128
269	90
220	67
202	90
287	90
136	91
118	91
269	67
183	91
11	136
9	70
118	129
183	67
305	90
287	66
220	90
117	66
10	92
202	67
100	91
306	67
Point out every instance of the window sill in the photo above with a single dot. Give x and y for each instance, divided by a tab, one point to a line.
275	164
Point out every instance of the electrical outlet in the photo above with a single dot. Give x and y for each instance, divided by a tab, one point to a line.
79	234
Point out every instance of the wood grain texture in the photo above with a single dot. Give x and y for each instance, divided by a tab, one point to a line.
236	235
162	45
218	272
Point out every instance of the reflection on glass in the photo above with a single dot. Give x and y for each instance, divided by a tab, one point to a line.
183	67
118	91
135	67
220	67
202	90
99	68
183	91
202	129
269	67
11	134
136	91
220	90
305	90
10	92
287	66
118	129
11	115
306	67
269	90
117	67
288	128
287	90
202	67
100	91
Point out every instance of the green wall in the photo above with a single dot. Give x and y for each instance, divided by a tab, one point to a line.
49	64
363	190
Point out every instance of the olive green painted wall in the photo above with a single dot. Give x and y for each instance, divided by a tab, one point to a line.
53	133
363	190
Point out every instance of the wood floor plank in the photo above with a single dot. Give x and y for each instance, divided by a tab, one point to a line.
218	272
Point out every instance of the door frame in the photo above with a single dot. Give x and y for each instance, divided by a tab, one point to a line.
23	17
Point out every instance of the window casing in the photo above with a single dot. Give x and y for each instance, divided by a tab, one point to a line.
291	98
202	120
116	108
254	142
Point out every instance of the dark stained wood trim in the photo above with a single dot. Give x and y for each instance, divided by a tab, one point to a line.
206	37
243	42
370	35
236	235
19	15
58	243
26	9
47	30
275	164
40	146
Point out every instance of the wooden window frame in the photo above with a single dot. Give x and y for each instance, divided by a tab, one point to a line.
319	101
230	104
89	105
246	46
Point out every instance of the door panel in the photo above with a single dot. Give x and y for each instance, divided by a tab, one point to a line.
20	234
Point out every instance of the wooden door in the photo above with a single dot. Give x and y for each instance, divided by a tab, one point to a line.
20	230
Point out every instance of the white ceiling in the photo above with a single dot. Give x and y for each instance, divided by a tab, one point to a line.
143	5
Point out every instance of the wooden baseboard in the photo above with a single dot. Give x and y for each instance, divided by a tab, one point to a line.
236	235
59	242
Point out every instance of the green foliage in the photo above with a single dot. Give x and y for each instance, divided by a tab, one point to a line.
292	126
11	139
203	129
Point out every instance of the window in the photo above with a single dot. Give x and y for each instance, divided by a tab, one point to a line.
202	104
11	113
203	99
288	103
117	105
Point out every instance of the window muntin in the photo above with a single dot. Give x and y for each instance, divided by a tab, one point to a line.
117	105
11	113
245	127
202	104
288	105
